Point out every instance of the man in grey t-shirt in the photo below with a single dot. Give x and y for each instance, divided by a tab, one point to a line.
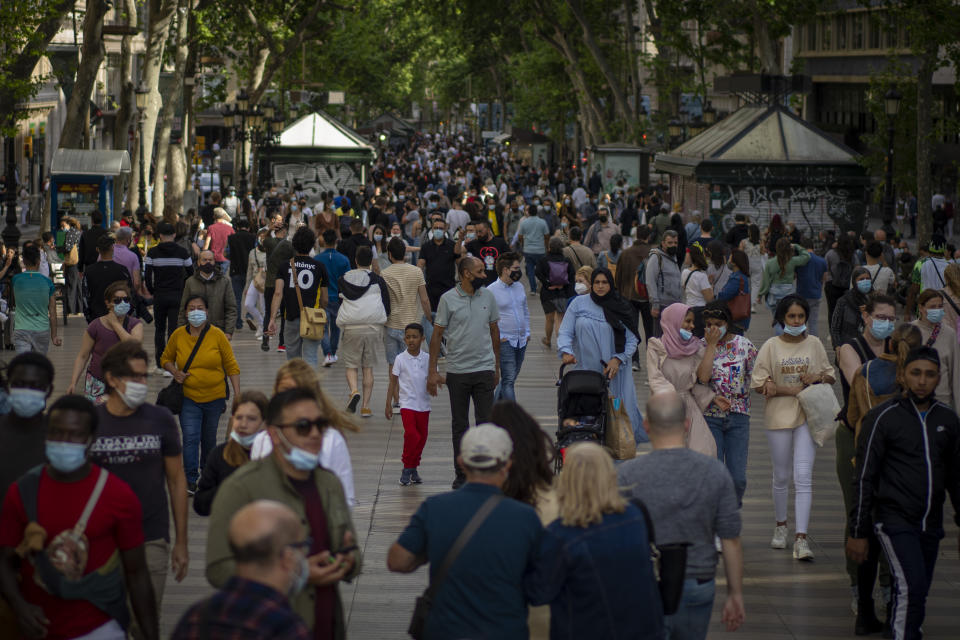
690	498
467	315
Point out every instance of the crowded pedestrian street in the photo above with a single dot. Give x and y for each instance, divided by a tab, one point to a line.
783	598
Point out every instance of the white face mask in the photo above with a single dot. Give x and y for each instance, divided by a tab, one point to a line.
134	395
581	288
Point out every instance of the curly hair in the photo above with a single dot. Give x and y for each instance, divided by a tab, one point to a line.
532	452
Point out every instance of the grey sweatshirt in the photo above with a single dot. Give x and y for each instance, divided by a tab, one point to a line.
663	279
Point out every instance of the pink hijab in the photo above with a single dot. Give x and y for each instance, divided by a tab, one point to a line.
671	320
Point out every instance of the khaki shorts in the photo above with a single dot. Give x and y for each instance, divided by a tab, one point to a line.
358	348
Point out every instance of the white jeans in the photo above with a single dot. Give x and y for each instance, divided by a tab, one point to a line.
253	303
792	452
107	631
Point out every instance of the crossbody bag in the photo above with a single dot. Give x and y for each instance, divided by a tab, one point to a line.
171	396
312	319
421	611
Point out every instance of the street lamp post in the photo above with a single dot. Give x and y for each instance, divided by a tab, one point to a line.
891	105
675	129
11	233
142	93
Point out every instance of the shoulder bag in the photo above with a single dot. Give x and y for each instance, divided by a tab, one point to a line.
312	319
171	396
739	305
669	563
421	611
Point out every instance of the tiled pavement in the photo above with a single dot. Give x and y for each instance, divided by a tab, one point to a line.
784	598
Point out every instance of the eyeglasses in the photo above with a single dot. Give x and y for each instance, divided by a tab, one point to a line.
118	300
890	318
304	426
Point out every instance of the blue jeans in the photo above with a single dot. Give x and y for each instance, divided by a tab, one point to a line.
393	344
531	260
511	359
428	328
331	333
298	347
692	618
732	434
198	422
238	280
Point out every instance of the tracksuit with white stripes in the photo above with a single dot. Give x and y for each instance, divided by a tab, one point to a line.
907	460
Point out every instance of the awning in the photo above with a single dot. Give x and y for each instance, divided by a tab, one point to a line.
85	162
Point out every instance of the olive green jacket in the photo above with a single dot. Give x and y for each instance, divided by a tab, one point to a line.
264	480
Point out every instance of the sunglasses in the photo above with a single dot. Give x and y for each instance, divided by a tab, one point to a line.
304	426
119	300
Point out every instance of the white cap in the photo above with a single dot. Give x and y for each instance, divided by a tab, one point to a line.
485	446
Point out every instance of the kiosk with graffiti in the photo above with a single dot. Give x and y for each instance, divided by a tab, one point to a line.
316	178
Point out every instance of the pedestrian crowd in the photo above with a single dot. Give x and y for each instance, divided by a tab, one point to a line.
426	264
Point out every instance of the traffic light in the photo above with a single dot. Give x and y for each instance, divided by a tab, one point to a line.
28	147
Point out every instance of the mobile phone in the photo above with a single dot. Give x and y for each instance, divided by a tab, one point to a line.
345	550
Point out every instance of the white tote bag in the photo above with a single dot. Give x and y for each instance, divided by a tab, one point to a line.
821	407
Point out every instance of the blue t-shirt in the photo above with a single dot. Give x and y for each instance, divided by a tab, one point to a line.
336	264
31	292
810	277
483	594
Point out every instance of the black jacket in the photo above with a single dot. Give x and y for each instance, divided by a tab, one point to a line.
904	467
87	248
847	323
214	473
239	245
167	266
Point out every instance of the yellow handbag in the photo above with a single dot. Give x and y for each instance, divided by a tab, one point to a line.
312	319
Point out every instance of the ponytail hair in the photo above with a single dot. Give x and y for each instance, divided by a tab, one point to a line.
904	339
784	253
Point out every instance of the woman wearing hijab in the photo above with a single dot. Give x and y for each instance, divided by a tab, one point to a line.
598	333
672	363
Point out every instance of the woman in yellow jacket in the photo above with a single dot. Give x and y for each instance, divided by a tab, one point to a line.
204	383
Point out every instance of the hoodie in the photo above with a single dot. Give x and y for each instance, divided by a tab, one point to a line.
364	300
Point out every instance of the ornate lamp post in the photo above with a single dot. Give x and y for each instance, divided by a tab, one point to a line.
709	114
142	94
891	105
11	233
675	129
235	119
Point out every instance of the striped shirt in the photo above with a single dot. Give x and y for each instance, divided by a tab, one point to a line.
167	265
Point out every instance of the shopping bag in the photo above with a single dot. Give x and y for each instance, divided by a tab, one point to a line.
821	407
619	431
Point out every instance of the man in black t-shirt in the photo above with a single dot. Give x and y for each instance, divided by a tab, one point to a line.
487	248
438	259
310	277
100	275
357	238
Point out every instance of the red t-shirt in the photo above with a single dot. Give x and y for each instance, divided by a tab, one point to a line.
114	524
218	234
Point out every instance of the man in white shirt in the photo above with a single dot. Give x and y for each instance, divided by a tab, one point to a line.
456	219
514	322
931	272
579	196
883	277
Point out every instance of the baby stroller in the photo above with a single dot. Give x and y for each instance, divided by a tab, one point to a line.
581	410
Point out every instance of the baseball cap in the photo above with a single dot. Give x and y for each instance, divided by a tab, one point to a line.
166	229
485	446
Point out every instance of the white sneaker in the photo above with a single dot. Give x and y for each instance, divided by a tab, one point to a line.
779	537
328	360
335	358
801	550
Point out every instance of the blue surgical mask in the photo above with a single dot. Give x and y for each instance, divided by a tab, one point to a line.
244	441
300	578
66	457
685	335
121	309
795	331
301	459
723	332
864	286
935	315
196	317
438	234
27	403
882	329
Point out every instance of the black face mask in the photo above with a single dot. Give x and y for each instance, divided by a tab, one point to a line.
603	218
671	251
515	275
207	268
920	399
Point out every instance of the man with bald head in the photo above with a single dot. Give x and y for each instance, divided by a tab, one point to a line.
691	499
269	547
889	257
466	315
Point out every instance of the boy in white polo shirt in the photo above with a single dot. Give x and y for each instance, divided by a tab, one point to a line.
409	372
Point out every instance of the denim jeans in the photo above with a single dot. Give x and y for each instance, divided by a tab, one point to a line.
511	359
198	422
428	329
692	618
732	434
298	347
331	333
393	344
237	281
531	260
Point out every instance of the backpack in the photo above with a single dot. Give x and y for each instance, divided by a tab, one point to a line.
841	274
558	275
641	281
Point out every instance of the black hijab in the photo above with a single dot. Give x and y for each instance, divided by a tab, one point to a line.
619	313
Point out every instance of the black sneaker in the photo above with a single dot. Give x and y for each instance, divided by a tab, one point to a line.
354	401
405	477
191	489
265	345
415	477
